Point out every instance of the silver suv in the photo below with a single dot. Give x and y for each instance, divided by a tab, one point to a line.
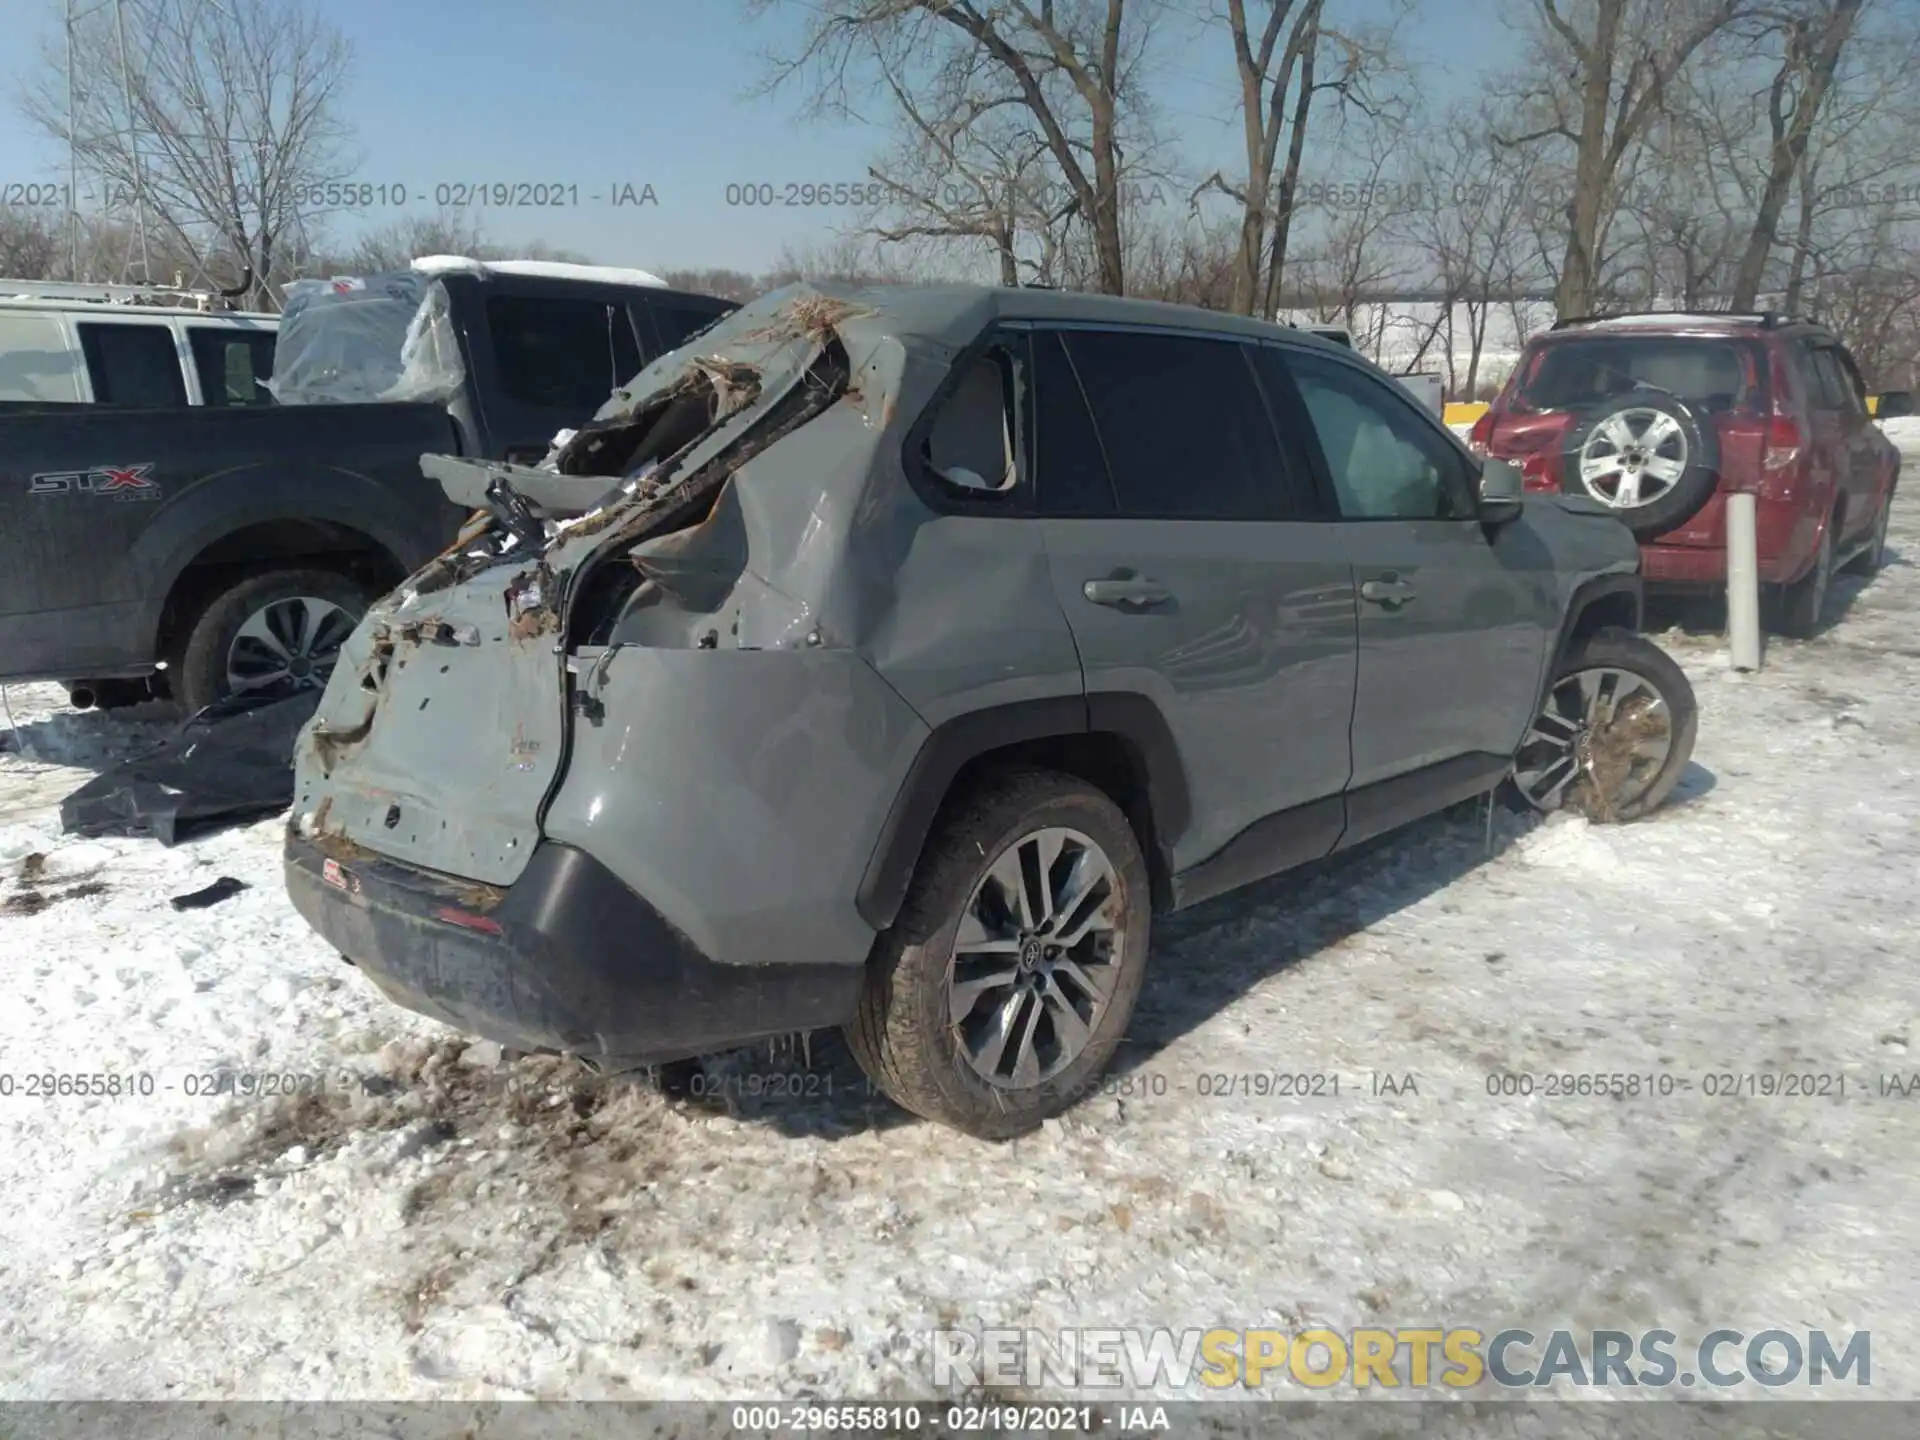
887	659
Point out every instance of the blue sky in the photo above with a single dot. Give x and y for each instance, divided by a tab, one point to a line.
600	94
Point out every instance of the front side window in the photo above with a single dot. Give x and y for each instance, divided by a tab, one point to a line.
1384	460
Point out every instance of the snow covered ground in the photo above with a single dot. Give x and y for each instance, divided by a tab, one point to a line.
426	1224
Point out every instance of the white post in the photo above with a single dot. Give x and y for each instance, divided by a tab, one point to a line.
1743	582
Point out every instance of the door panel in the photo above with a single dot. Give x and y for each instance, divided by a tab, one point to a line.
1453	623
1183	551
1453	669
1250	659
1861	438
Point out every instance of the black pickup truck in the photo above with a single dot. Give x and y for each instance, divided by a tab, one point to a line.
193	552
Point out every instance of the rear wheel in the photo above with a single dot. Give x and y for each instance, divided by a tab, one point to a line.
1614	734
1803	602
998	997
1869	560
283	627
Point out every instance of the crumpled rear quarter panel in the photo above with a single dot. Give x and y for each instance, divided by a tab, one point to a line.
740	793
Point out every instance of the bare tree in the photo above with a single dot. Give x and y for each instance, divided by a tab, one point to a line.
397	245
1070	65
30	243
217	119
1353	258
1593	82
1279	51
1468	216
969	165
1813	34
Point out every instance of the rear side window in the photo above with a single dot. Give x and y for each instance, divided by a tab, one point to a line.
1834	388
35	364
1572	374
561	354
232	364
972	446
1071	469
133	364
1183	425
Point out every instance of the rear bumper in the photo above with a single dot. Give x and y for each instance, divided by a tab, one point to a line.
567	958
1788	537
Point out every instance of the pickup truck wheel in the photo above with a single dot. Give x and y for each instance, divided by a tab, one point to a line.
283	626
1648	455
1802	603
1614	734
997	998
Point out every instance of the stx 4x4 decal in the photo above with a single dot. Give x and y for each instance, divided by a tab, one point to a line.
118	482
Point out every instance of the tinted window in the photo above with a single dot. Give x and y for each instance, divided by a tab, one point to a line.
232	364
1183	425
1384	459
561	354
1850	373
35	363
1573	373
1835	390
133	365
677	321
1072	471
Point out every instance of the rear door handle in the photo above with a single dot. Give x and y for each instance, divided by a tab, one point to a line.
1127	591
1390	591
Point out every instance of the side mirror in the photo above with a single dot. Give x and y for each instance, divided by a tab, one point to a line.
1501	489
1893	404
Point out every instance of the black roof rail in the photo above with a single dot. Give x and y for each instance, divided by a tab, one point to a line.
1768	319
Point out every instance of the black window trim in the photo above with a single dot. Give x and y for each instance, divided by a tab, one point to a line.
1466	470
939	495
1299	491
83	326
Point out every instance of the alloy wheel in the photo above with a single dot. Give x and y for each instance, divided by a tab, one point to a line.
1036	958
1633	457
297	639
1597	745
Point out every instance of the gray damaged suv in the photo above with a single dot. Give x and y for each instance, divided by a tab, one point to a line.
887	659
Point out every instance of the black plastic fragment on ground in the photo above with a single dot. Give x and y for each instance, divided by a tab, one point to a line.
231	763
223	888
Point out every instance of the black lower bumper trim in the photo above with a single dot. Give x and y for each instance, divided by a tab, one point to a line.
569	959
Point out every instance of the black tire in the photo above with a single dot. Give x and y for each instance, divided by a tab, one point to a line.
904	1036
1800	606
1609	794
1674	506
199	674
1868	562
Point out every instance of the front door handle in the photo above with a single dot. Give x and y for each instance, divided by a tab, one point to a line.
1390	591
1126	590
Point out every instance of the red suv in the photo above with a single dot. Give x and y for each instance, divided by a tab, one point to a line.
1661	415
